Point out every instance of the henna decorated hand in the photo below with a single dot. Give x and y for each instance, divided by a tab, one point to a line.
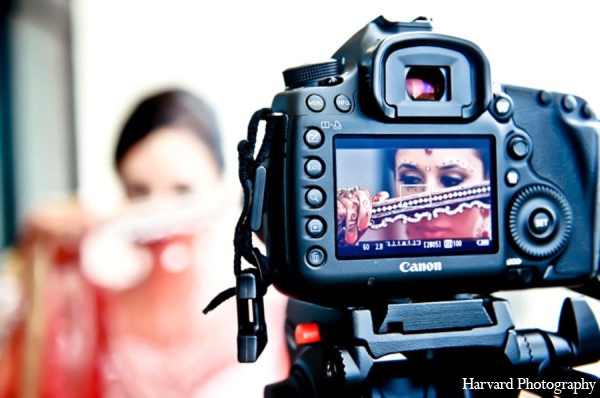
354	213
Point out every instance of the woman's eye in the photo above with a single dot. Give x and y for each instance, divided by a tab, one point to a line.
449	181
182	189
137	191
410	179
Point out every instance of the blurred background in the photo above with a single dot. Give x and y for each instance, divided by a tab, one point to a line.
70	70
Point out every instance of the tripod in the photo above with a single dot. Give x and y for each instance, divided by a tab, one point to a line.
458	348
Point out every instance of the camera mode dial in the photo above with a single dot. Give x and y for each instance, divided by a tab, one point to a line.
313	74
540	221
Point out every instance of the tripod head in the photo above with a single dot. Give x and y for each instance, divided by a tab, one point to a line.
433	349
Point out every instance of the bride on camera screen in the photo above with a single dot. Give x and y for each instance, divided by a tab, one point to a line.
439	193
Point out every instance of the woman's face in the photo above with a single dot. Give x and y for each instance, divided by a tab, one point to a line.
431	170
170	161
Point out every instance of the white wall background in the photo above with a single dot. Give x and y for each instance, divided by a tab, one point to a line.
233	52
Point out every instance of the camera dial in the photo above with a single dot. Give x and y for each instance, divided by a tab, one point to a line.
313	74
540	221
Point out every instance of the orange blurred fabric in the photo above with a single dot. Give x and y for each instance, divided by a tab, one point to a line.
79	348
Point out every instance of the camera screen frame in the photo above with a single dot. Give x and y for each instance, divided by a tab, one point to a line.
378	150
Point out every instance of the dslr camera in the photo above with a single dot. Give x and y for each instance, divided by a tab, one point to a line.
397	169
396	188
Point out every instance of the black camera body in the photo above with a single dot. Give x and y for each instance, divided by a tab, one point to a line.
489	188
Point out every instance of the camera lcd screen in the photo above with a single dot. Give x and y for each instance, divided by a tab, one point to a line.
403	196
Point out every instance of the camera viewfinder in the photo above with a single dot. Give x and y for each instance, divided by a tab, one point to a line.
426	83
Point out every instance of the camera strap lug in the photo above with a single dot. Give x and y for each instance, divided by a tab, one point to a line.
252	328
251	283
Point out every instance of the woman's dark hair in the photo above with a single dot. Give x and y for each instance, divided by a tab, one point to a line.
177	108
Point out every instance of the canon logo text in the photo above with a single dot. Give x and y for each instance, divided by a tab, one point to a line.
429	266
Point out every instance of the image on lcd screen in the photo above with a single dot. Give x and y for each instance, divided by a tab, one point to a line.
406	196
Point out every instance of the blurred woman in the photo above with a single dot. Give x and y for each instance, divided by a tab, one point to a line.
122	309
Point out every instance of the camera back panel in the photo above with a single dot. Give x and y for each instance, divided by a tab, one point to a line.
403	106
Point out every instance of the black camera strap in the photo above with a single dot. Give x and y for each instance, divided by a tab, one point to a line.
251	283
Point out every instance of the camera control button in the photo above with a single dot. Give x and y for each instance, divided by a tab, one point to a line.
315	227
545	98
569	103
315	197
315	103
518	148
314	168
520	275
315	257
587	112
343	103
512	178
541	223
313	137
503	106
